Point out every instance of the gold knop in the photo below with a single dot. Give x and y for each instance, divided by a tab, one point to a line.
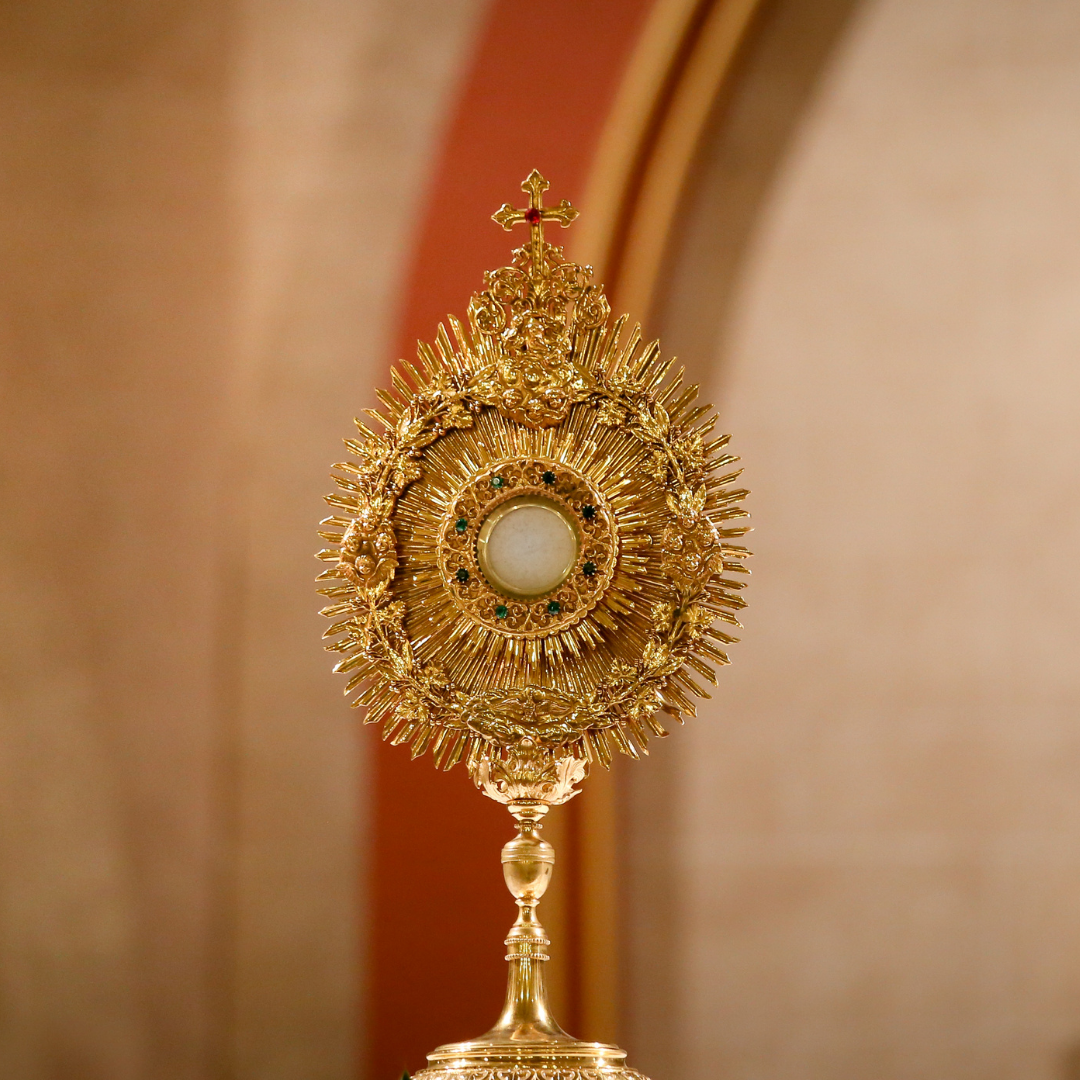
529	776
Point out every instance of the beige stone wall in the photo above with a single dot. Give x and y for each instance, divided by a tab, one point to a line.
204	211
875	831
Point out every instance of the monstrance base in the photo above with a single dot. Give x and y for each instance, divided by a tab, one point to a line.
542	1060
526	1043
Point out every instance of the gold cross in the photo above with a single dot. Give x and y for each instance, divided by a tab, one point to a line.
534	215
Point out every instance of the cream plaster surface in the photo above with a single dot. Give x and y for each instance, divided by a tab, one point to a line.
204	212
874	845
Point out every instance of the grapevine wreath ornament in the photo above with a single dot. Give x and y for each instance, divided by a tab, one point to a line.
540	413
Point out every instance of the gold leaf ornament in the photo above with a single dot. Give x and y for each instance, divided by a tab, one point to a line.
538	401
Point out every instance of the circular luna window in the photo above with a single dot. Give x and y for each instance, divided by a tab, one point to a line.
528	546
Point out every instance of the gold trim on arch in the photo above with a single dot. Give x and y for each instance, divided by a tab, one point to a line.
625	136
682	62
684	58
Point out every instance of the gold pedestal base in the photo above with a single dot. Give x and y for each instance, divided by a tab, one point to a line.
526	1043
547	1060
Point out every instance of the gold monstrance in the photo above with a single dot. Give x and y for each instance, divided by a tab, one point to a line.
527	563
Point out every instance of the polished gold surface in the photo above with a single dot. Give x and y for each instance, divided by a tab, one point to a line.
541	394
539	401
526	1042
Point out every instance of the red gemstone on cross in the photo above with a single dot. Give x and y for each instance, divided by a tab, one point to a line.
533	216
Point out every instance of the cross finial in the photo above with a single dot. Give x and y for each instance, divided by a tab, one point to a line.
534	215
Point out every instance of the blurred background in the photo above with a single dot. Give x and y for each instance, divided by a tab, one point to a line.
855	221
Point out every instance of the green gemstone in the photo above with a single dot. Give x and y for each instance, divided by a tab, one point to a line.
461	524
462	575
554	607
501	611
548	477
497	481
588	512
589	569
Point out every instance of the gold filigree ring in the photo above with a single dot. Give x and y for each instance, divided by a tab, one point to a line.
482	504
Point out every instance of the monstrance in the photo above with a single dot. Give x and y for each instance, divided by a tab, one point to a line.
528	561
